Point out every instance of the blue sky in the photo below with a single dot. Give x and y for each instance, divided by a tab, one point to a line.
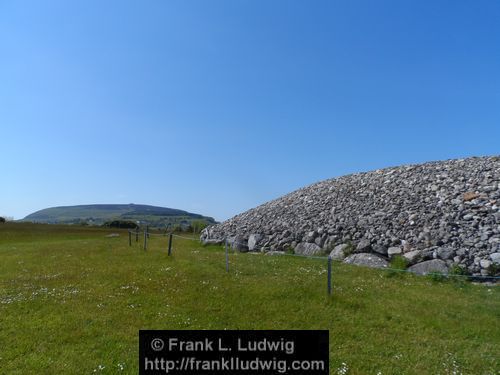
218	106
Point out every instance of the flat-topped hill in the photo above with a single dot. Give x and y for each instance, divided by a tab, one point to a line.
100	213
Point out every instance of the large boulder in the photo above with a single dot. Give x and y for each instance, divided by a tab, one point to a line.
413	256
311	236
394	250
364	246
380	249
338	253
368	260
495	258
307	248
239	243
253	241
445	253
429	266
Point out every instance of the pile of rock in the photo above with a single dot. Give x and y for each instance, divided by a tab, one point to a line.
435	215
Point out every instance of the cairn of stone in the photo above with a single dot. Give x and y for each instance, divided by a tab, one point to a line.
438	216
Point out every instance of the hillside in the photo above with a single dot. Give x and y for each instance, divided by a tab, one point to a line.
99	213
439	216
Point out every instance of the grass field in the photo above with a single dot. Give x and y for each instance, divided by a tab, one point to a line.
72	301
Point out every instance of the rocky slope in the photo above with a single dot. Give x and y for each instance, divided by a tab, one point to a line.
437	215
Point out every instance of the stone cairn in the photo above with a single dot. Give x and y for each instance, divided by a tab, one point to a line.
439	216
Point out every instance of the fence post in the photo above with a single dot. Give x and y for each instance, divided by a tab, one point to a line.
170	244
147	230
146	239
227	258
329	275
137	234
129	238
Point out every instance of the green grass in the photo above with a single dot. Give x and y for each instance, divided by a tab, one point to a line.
72	300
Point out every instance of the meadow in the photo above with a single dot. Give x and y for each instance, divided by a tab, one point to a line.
72	301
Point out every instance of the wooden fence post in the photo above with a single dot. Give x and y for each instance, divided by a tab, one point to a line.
170	244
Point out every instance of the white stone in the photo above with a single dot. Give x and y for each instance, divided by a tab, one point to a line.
395	250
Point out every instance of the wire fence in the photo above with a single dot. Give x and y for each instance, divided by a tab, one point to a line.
261	249
226	245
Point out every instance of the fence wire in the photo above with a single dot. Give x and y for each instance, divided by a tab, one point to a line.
326	258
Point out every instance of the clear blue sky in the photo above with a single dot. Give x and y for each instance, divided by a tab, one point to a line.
218	106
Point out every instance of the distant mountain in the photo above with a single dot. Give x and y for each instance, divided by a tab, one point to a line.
100	213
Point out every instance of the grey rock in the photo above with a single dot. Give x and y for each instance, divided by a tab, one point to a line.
368	260
484	263
495	258
320	241
380	249
338	253
427	254
461	251
310	237
489	188
407	246
308	248
394	250
429	266
364	246
413	256
445	253
275	252
239	243
485	236
254	240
